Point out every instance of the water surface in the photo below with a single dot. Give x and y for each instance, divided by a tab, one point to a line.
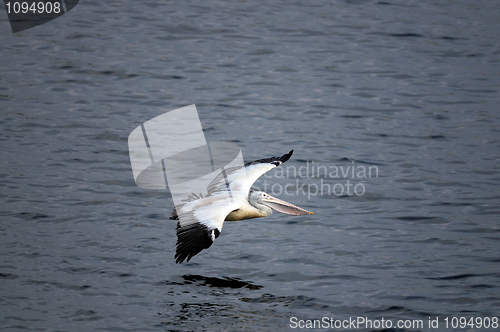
409	88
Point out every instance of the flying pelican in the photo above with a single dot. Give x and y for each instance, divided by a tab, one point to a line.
229	197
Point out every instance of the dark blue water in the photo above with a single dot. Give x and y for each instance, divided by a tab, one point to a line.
410	89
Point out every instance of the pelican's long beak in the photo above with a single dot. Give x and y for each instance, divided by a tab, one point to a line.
284	207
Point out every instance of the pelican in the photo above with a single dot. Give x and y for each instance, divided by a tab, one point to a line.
229	197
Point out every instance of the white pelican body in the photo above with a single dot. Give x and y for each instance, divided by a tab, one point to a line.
229	198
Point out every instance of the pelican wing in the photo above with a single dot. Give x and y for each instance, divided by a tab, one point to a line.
241	179
200	223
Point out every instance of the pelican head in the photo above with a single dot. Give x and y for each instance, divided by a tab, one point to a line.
267	203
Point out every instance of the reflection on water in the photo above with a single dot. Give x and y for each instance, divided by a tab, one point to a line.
215	282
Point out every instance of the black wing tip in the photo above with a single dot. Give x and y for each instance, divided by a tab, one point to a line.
192	239
273	160
286	156
180	258
280	160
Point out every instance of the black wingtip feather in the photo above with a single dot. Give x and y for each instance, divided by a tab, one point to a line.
191	240
273	160
286	156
